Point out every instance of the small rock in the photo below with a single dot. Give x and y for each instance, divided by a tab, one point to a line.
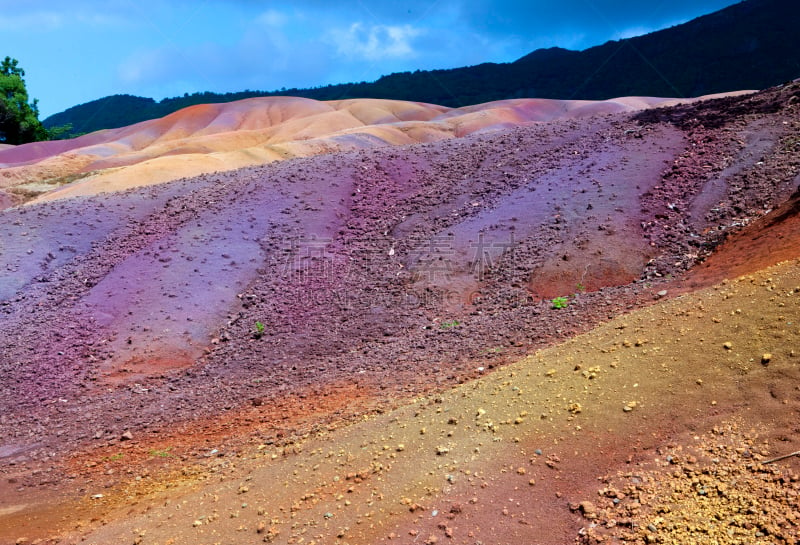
766	358
127	436
588	509
441	451
727	345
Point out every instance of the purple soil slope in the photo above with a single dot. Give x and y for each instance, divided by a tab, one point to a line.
400	268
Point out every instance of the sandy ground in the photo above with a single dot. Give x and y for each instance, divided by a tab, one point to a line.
363	347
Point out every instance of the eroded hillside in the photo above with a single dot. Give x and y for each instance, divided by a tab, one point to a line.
196	325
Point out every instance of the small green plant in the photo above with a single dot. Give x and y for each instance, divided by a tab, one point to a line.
259	332
494	350
580	288
164	453
560	302
451	324
115	457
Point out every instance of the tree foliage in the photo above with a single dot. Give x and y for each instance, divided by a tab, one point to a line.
19	117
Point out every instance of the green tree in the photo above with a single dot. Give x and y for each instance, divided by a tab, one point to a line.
19	118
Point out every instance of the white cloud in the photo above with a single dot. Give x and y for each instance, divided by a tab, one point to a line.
34	21
273	18
258	60
101	19
631	32
641	30
566	40
144	66
376	42
38	21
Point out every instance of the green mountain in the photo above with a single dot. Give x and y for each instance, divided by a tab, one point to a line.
751	45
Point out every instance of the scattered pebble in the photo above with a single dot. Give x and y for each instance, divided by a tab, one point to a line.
716	493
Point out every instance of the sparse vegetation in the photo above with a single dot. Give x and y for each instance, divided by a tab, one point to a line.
560	302
259	330
792	143
449	325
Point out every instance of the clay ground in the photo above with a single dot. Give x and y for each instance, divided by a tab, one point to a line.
361	347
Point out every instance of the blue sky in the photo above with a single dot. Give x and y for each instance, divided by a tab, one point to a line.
79	50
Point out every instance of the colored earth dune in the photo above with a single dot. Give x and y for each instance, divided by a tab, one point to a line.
280	320
216	137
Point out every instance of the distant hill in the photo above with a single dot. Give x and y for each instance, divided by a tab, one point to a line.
751	45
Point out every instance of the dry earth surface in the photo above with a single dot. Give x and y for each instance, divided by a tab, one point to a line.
217	137
358	344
